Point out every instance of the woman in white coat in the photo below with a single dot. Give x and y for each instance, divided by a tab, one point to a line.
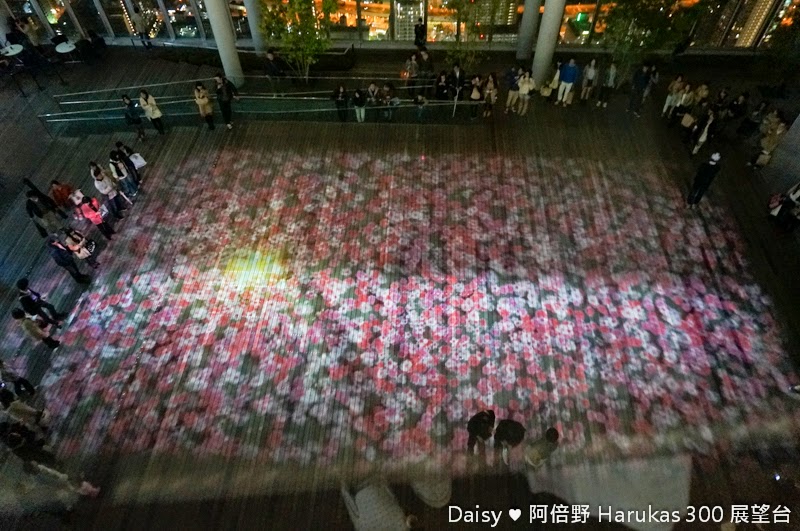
151	110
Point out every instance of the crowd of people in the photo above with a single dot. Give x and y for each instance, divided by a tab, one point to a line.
505	435
23	428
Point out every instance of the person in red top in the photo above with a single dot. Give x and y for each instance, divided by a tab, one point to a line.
60	193
90	209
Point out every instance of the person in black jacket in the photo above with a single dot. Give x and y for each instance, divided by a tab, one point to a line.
702	180
124	153
339	98
456	82
64	258
45	214
226	92
507	435
420	33
480	428
34	304
133	116
359	104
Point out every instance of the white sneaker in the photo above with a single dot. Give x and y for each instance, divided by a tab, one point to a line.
230	126
605	104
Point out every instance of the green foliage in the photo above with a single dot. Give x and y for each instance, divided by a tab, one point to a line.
466	49
300	32
635	28
783	48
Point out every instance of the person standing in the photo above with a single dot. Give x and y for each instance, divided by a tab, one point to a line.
589	76
43	215
673	95
426	74
109	188
125	153
704	129
489	94
33	304
204	104
568	76
63	258
151	110
120	172
608	85
702	180
133	117
81	246
526	86
442	87
273	70
512	80
638	84
90	209
475	96
359	104
140	27
420	33
226	93
32	328
456	81
652	81
339	98
60	194
508	434
411	72
555	80
750	124
480	429
420	102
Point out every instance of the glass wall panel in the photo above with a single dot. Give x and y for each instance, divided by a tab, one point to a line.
59	20
713	24
204	19
117	16
23	9
88	16
239	17
374	20
406	14
441	22
182	19
748	22
153	17
784	16
577	23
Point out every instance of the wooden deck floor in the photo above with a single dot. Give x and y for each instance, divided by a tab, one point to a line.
575	199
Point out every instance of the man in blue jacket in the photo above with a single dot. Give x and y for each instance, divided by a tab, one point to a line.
569	75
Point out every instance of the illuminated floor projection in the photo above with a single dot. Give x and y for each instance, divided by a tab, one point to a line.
350	309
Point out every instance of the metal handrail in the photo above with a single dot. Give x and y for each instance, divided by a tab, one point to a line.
53	117
285	77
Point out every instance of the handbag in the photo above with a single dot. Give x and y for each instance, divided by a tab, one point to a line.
763	159
687	120
138	161
546	91
103	211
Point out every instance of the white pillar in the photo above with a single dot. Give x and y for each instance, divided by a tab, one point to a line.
527	29
548	38
253	8
219	16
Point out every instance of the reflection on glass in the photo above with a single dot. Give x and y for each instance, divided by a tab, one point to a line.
58	18
204	19
783	18
152	16
182	19
577	24
88	16
239	17
405	17
22	9
116	13
441	22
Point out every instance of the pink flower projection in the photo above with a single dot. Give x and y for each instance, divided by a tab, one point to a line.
355	308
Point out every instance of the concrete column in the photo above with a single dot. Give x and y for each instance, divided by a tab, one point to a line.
5	12
253	8
219	16
75	21
528	27
547	39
